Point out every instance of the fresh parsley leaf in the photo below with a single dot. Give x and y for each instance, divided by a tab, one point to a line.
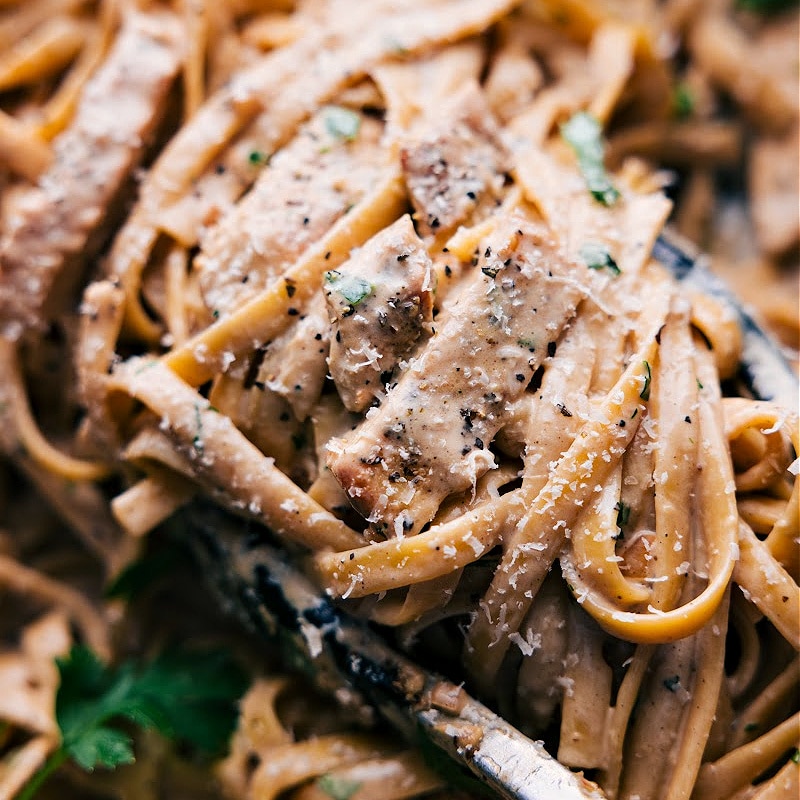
766	6
337	788
139	575
258	158
645	393
187	696
597	256
623	514
342	123
103	746
583	133
191	697
353	288
682	101
90	695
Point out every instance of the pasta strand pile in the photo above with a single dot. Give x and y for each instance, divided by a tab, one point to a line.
379	277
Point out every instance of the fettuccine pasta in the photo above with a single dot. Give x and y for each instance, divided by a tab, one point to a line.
379	279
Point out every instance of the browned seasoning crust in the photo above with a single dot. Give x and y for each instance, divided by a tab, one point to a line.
381	304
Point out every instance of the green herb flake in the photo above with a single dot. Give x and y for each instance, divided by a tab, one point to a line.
143	573
337	788
699	385
147	365
351	287
584	134
682	101
766	6
189	697
796	757
342	123
395	46
623	514
645	393
258	158
596	256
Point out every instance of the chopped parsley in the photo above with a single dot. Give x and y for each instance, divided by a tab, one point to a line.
337	788
342	123
796	756
623	514
394	45
198	436
189	697
645	393
597	256
258	158
583	133
682	101
351	287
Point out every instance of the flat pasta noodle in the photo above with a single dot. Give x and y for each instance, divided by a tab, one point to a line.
209	441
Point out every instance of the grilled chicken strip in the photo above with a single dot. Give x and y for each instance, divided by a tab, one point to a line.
431	436
449	170
381	302
57	226
294	363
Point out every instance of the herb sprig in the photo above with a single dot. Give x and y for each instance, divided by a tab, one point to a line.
188	697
